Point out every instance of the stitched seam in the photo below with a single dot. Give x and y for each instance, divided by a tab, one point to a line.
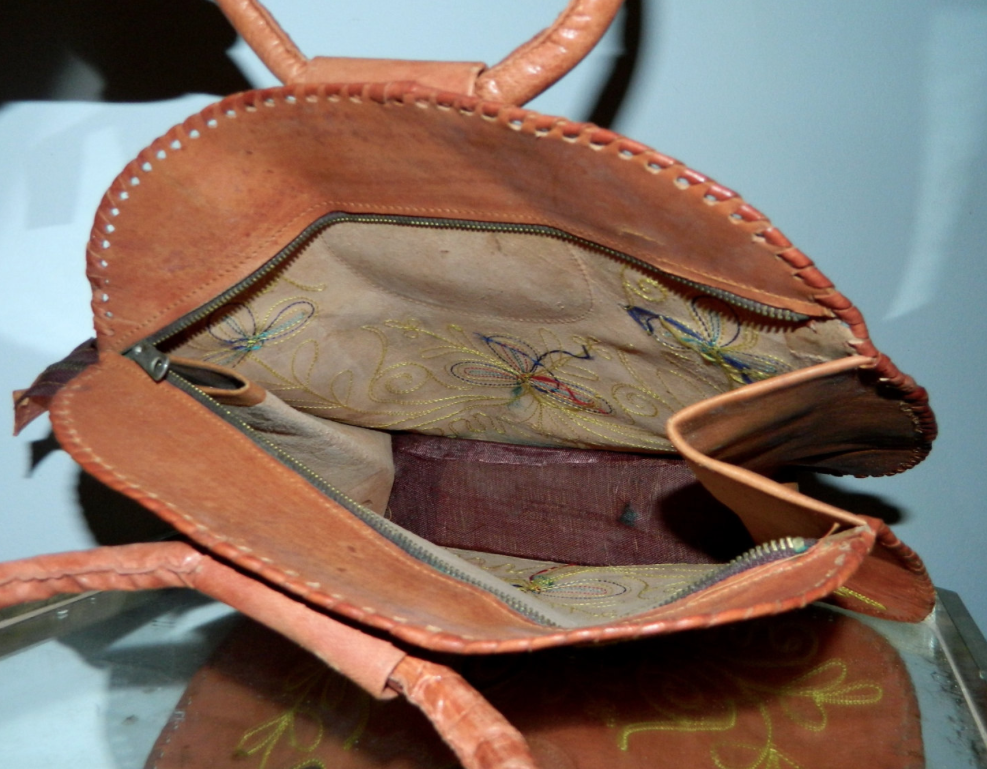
237	105
360	529
102	570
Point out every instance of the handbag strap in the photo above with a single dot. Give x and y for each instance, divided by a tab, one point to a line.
522	75
476	732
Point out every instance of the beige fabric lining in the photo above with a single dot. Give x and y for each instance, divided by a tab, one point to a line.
509	337
357	462
590	594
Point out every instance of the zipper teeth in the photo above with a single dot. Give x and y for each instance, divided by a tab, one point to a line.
777	313
381	525
765	310
759	555
266	269
763	553
767	552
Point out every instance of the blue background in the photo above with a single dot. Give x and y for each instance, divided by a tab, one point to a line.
860	129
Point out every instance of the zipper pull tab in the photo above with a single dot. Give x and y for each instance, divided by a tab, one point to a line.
149	358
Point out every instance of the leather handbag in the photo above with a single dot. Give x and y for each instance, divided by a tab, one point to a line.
413	370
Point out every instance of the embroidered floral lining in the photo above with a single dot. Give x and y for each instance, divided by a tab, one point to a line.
592	593
386	326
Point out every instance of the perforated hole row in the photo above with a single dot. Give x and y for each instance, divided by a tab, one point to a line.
101	295
514	118
541	127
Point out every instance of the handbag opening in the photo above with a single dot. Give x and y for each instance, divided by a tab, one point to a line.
493	399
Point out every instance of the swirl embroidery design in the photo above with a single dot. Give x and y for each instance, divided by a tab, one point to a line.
516	365
587	589
717	334
316	697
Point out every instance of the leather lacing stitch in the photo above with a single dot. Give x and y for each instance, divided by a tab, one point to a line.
429	636
590	136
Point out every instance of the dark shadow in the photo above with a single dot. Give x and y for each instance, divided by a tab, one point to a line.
815	486
92	642
115	519
617	86
141	50
700	525
41	449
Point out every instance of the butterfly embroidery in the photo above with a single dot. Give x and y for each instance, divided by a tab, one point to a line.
516	365
239	334
716	334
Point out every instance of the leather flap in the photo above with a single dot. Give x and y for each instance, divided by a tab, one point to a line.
159	446
302	152
831	417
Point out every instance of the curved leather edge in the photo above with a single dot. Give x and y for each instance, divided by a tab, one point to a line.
891	584
827	416
242	391
32	402
398	162
250	151
157	445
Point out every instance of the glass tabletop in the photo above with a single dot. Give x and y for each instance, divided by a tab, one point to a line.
91	680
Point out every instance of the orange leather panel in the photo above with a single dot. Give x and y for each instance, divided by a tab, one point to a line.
824	416
266	164
214	484
211	482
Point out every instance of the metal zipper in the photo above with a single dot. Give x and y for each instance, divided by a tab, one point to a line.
156	364
306	235
767	552
394	533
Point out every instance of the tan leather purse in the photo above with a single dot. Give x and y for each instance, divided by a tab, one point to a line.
415	370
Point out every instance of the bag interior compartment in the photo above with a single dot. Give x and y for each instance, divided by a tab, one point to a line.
506	333
381	345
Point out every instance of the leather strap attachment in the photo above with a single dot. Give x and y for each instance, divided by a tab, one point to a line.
521	76
479	735
364	659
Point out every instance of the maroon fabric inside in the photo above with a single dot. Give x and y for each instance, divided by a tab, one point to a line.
577	506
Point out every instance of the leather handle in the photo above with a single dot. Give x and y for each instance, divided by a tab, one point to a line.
522	75
364	659
548	56
478	734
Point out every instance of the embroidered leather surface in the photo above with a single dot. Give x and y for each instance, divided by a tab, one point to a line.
811	690
498	336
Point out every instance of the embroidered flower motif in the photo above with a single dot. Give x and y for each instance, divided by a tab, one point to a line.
240	334
314	695
516	365
717	334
